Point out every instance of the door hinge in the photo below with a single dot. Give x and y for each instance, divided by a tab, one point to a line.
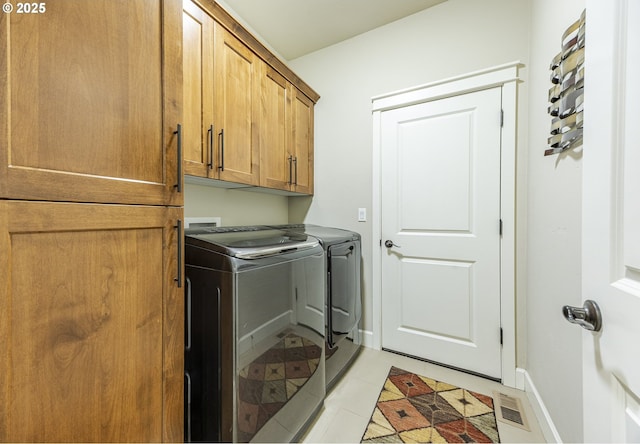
381	242
501	336
500	227
501	118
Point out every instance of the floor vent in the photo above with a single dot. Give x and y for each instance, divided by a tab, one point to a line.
509	410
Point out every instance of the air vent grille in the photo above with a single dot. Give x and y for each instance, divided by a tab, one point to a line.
509	410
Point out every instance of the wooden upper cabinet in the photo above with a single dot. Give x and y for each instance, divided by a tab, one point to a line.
221	101
91	100
91	323
236	92
276	162
286	135
248	117
197	52
302	146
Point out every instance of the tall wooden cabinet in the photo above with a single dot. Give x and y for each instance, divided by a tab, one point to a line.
91	312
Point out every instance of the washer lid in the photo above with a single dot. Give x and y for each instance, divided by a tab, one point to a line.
326	235
253	242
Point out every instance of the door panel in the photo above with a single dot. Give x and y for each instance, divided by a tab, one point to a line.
276	168
91	323
436	154
91	107
450	321
197	53
302	149
441	209
611	221
236	94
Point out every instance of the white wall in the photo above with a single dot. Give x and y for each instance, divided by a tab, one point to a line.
450	39
235	207
554	347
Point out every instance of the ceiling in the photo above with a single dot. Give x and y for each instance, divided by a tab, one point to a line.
297	27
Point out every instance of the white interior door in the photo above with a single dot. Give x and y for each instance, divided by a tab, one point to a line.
611	220
440	205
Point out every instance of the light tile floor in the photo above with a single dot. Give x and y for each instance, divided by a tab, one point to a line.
349	404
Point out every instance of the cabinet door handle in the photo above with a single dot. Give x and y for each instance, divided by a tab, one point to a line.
295	161
290	159
178	132
179	261
221	136
210	164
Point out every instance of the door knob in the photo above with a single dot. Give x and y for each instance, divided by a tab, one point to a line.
588	316
389	244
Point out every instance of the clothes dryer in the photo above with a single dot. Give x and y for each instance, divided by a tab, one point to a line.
343	298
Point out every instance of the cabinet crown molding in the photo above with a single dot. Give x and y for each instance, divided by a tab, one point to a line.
220	15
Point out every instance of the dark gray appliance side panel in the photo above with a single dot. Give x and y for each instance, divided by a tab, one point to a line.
208	355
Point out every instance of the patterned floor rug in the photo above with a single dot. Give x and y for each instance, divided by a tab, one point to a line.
413	408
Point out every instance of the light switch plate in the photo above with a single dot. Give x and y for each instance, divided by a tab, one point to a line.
362	214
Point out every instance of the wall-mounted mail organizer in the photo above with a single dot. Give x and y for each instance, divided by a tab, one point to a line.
566	96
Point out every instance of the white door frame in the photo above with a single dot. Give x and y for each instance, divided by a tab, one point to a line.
505	76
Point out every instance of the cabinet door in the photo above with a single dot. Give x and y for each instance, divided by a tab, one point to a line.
236	95
91	323
302	143
93	94
276	163
197	53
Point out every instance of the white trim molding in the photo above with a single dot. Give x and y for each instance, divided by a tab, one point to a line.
367	339
543	416
506	77
453	86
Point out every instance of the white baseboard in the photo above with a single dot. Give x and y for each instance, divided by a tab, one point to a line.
367	338
524	382
521	375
